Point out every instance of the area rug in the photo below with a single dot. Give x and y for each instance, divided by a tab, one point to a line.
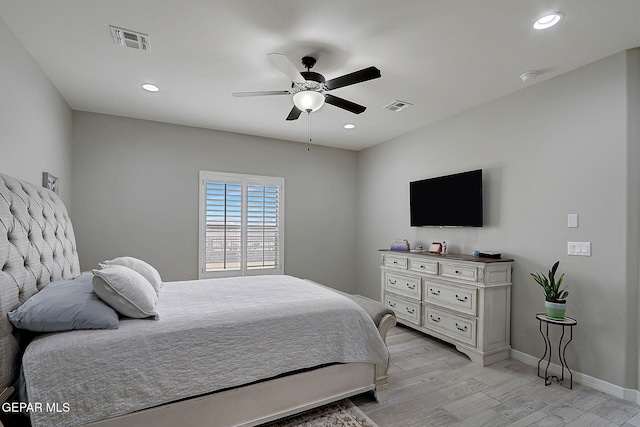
343	413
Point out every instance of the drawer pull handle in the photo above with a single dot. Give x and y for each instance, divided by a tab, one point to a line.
422	267
461	299
392	282
392	304
436	319
461	329
395	262
457	271
434	292
410	310
411	286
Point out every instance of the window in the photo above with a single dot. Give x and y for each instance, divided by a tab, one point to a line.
241	224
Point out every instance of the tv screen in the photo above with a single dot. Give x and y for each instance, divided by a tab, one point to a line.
447	201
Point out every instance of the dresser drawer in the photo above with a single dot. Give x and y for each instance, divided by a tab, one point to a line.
457	271
406	310
395	261
459	297
423	266
456	327
409	286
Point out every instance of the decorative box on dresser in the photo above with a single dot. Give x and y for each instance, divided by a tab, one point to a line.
461	299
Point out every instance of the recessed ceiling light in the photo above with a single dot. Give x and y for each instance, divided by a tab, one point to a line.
149	87
548	21
529	75
349	126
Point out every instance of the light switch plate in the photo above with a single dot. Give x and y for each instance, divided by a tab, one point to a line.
579	248
572	220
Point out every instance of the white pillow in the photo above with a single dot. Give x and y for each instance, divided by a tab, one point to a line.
126	291
149	273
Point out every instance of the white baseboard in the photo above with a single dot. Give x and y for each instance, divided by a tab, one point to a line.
595	383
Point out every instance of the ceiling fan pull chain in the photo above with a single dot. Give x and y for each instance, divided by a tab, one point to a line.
309	129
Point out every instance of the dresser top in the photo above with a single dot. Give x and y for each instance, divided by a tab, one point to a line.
453	257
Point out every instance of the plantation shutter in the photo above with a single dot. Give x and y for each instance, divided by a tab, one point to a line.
240	225
223	226
262	226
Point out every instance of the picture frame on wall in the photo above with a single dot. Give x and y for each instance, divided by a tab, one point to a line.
49	181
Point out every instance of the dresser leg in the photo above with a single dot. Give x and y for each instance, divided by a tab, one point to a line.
487	358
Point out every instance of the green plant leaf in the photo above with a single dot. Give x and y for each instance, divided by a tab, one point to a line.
561	291
537	277
555	267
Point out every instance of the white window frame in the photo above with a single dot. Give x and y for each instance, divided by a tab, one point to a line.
245	180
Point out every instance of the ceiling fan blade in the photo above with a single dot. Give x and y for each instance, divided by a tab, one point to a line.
294	113
344	104
262	93
353	78
281	61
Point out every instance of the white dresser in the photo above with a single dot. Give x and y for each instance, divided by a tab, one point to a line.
461	299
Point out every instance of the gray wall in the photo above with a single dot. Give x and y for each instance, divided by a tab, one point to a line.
558	147
136	193
567	145
633	200
35	121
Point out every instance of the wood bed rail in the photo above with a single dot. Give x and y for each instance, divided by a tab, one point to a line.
6	393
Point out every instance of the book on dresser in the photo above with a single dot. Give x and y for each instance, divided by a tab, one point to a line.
461	299
400	245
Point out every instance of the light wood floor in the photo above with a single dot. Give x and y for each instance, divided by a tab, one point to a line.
432	384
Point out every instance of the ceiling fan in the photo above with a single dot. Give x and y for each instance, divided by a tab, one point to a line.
309	88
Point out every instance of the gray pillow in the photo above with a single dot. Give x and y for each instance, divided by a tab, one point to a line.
147	270
63	306
126	291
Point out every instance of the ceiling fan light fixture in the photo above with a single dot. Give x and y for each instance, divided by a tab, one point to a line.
308	100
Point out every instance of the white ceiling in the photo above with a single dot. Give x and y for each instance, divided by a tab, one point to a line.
444	56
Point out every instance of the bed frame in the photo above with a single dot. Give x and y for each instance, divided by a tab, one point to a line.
37	246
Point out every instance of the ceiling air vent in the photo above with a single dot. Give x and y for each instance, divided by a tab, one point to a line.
397	106
128	38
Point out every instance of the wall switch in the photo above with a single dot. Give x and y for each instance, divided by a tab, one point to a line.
579	248
572	220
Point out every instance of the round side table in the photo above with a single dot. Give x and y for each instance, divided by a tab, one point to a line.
567	322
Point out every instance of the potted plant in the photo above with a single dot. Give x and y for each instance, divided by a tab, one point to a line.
554	296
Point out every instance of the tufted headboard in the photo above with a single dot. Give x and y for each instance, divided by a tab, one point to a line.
37	246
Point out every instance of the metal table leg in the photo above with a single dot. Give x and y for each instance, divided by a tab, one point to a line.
562	350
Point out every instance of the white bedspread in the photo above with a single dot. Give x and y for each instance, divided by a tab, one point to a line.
212	334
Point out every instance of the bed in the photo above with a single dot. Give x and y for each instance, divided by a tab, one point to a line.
234	351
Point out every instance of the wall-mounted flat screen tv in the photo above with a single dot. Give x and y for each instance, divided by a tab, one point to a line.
447	201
